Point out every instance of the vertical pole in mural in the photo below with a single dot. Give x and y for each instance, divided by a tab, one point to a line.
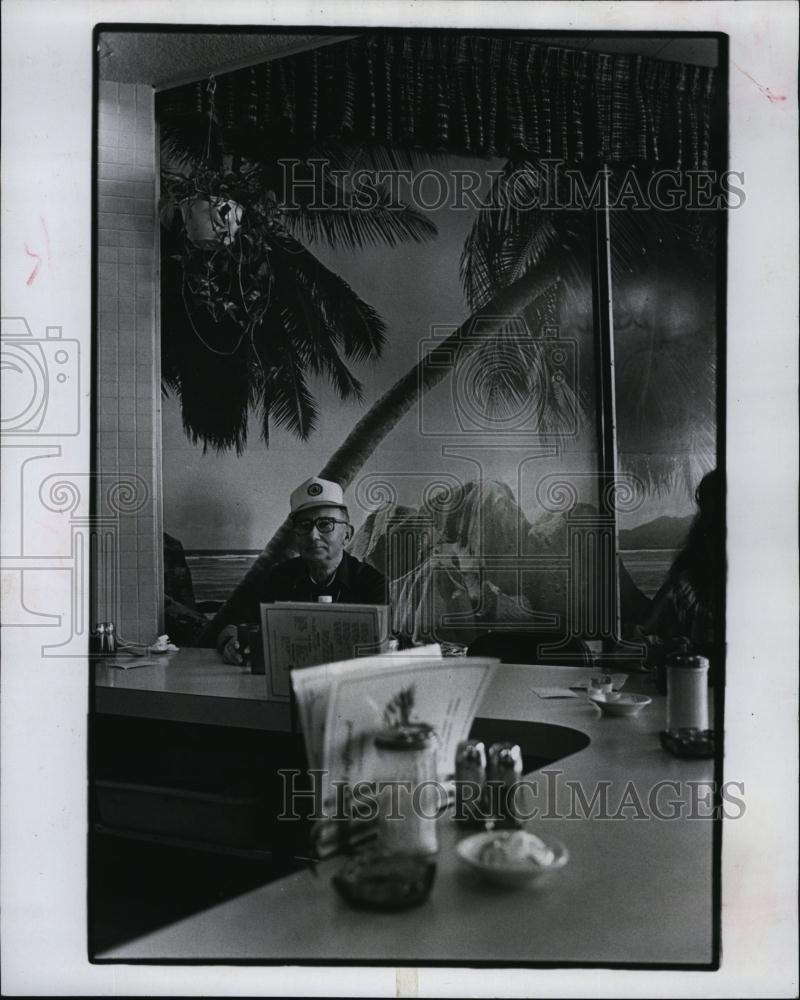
607	578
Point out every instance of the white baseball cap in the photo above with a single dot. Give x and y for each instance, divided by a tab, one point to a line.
316	493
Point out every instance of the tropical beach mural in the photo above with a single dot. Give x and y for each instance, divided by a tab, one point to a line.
435	353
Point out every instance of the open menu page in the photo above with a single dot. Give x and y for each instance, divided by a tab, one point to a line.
312	687
358	698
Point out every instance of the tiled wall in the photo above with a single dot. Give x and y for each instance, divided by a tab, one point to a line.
128	587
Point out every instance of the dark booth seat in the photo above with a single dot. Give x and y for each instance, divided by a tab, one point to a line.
533	648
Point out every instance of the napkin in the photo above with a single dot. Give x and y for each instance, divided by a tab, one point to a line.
617	682
128	662
554	692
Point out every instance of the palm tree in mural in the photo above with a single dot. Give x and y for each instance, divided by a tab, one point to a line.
665	363
247	323
384	414
533	263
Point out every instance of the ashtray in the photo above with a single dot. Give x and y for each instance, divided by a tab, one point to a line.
688	742
377	880
613	703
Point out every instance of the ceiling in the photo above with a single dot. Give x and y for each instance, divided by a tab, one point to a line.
691	49
170	58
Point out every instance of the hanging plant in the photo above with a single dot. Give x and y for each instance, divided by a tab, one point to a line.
226	223
210	221
209	202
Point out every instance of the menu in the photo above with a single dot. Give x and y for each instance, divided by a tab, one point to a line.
299	634
342	706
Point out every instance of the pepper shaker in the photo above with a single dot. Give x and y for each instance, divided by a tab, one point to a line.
503	771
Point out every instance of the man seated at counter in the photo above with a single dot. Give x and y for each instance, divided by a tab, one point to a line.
321	525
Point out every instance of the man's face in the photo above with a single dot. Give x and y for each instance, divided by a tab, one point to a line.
319	548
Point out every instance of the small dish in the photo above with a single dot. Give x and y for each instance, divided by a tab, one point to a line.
377	880
623	705
512	858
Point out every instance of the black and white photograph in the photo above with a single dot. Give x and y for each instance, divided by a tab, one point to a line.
405	502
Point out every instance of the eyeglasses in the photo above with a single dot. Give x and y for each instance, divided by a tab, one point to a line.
324	525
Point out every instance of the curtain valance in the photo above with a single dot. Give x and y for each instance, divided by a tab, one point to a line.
473	94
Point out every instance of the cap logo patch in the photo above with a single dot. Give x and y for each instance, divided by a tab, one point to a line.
314	490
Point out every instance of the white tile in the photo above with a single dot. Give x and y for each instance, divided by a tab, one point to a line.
107	91
127	94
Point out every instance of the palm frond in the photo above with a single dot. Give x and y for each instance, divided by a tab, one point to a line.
507	239
287	395
513	375
337	219
294	341
361	331
383	157
302	320
342	379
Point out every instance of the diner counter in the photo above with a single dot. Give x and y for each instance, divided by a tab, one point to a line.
192	685
637	888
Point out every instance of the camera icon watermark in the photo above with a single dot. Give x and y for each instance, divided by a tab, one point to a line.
41	381
504	381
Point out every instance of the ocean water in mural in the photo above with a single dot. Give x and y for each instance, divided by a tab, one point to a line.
215	572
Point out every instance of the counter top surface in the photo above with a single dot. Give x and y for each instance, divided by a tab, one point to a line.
192	685
637	888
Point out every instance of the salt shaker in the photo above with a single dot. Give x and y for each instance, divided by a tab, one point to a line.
410	795
687	690
111	638
98	639
470	779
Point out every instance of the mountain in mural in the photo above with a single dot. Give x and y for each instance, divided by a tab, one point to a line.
548	533
661	533
451	563
370	542
477	519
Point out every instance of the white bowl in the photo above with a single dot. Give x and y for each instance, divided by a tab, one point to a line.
614	703
511	874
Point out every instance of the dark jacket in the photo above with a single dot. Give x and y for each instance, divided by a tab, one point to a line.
354	582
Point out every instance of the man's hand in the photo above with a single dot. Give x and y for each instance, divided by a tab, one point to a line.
228	646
